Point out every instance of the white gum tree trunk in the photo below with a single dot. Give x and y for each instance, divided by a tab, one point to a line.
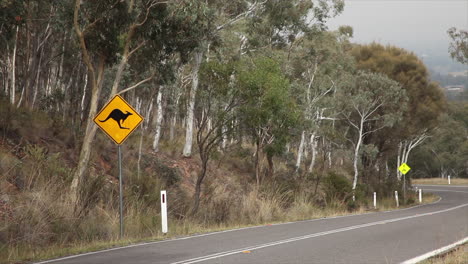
13	63
189	127
356	155
313	146
300	151
159	119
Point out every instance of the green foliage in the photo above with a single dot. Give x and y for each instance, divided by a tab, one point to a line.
336	187
426	100
268	111
459	46
279	22
446	152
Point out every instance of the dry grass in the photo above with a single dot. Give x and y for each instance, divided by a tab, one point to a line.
457	256
99	230
440	181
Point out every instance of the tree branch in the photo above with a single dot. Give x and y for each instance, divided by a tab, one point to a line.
136	85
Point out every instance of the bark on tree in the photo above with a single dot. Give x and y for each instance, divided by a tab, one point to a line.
159	119
313	146
13	67
300	151
198	56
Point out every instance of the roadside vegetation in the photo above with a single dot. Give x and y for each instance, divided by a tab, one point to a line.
255	113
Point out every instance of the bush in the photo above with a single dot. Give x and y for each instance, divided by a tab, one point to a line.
336	187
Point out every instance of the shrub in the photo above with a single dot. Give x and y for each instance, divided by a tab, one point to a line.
336	187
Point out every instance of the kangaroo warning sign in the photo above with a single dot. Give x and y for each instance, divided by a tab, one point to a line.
118	119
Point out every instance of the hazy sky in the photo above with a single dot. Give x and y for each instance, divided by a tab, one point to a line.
418	25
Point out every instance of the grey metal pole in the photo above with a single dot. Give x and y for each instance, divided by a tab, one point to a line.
404	188
120	193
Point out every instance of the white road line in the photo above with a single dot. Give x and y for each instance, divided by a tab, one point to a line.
275	243
435	252
436	190
448	186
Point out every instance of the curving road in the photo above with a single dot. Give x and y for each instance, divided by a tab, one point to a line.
384	237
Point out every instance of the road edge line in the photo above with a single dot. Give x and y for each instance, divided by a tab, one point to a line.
435	252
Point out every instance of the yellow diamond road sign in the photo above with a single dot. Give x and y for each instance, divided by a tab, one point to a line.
118	119
404	168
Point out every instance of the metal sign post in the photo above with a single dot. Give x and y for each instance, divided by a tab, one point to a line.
120	192
404	168
118	120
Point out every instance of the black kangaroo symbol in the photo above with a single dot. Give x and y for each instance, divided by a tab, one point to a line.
118	116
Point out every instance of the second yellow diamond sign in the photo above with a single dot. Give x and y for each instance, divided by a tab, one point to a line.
118	119
404	168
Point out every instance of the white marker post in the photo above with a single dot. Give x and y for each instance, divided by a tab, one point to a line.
420	195
449	179
375	200
164	211
396	199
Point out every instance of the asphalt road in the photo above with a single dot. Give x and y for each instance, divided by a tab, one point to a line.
384	237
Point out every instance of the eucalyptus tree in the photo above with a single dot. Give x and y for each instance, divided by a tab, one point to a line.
459	46
446	151
110	32
268	23
218	100
370	103
11	19
317	61
426	100
226	14
268	112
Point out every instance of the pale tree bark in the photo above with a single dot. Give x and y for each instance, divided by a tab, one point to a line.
91	128
84	96
356	154
144	128
300	151
174	117
404	149
313	146
13	67
198	56
159	119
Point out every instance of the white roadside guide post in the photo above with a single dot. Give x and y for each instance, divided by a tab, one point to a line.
396	199
375	200
420	195
164	211
449	179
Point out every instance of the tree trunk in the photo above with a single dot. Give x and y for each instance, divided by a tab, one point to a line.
13	73
172	128
201	176
356	157
271	169
198	56
299	151
257	163
140	146
313	146
90	131
159	119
